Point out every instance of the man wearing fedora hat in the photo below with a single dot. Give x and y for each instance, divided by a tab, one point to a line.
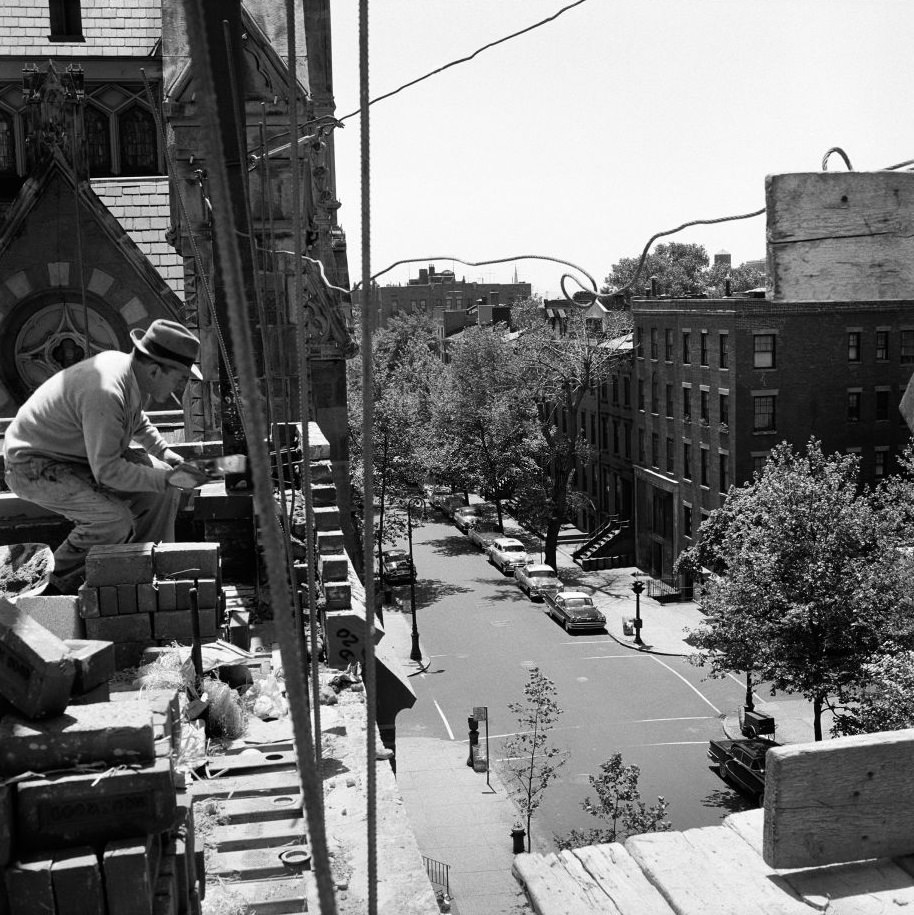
68	449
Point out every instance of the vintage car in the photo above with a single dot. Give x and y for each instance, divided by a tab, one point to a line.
466	515
741	763
506	554
537	579
482	533
574	610
398	570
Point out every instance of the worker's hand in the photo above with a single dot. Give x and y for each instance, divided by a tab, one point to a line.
172	457
187	476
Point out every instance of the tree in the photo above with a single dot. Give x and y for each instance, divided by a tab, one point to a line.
531	761
619	805
885	702
741	278
805	585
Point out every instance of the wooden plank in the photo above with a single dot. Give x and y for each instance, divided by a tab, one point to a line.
266	897
283	782
840	236
559	885
862	888
705	872
621	879
258	863
841	800
260	809
290	830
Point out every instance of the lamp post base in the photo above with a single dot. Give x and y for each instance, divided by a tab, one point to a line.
415	653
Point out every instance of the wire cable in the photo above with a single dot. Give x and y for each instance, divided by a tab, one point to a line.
840	152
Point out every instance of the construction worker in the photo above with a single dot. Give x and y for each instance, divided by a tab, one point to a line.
68	449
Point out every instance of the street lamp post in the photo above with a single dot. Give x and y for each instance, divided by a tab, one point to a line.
415	653
638	587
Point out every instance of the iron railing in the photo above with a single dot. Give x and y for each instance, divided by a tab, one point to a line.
438	873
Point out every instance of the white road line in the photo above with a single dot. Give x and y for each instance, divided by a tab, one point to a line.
692	718
675	743
612	657
450	733
742	683
591	642
690	686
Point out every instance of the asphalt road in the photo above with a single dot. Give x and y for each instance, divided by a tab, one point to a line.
480	635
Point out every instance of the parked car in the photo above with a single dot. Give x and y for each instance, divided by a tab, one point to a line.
450	504
536	579
482	533
466	514
506	554
398	570
574	610
741	763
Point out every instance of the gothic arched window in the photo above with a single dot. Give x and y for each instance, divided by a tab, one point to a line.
7	144
138	142
98	142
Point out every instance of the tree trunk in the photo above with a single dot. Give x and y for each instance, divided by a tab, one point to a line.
817	716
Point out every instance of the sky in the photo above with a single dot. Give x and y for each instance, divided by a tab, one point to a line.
619	119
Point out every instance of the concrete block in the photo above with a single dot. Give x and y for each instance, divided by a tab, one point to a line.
80	808
127	599
330	542
107	600
186	560
147	598
182	593
326	518
323	494
102	732
164	704
36	670
239	629
321	472
94	662
119	564
207	592
88	601
28	885
338	595
128	654
128	881
101	693
58	614
77	880
131	627
178	625
166	595
333	567
6	824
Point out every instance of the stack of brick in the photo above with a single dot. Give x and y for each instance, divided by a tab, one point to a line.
139	594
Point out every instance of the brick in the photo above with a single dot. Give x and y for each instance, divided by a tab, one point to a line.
333	567
88	601
128	881
177	624
36	670
94	662
107	600
186	560
182	593
131	627
58	614
102	732
147	598
6	825
126	599
77	881
167	595
330	542
58	811
128	654
119	564
28	885
326	518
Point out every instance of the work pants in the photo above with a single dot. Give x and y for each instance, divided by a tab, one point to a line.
100	516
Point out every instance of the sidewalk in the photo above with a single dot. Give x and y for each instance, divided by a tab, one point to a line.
456	817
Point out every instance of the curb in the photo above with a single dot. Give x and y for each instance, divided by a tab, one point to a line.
645	649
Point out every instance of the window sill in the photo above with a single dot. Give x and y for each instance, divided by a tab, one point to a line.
764	431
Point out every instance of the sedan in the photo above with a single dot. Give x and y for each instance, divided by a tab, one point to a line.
506	554
575	610
465	515
397	567
537	579
741	763
482	533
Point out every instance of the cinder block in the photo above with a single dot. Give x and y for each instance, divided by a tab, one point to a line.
330	542
28	885
130	627
333	567
6	825
58	614
166	596
119	564
94	660
321	472
186	560
207	592
77	880
164	704
102	732
36	670
326	518
128	882
101	693
338	595
147	598
80	808
126	599
239	629
88	601
182	593
177	624
323	494
107	600
128	654
301	574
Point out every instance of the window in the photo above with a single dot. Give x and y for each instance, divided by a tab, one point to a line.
604	432
853	346
615	436
628	440
686	403
655	450
98	144
759	459
853	406
763	419
669	400
880	462
703	400
686	347
882	345
670	455
687	519
626	391
907	346
593	429
763	351
639	342
7	144
724	343
724	402
668	344
641	445
653	343
703	342
686	461
655	395
704	466
724	471
640	393
882	405
615	389
139	152
66	20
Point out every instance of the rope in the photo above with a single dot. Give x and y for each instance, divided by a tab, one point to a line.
840	152
224	229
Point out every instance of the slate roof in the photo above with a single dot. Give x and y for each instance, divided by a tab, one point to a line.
124	29
141	207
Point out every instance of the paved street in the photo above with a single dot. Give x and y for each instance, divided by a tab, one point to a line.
480	635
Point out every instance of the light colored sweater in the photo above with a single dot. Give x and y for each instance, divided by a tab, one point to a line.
88	414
